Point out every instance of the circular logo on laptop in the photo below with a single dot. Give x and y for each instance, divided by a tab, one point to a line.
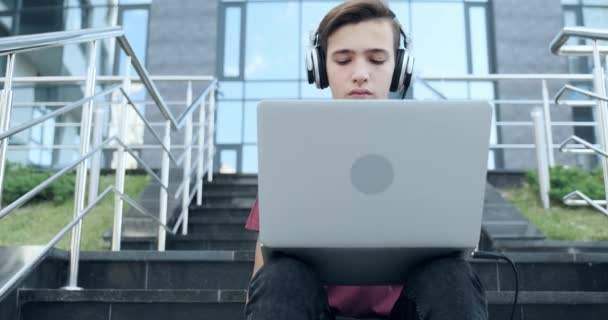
372	174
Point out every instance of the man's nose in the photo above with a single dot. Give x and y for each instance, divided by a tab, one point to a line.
360	73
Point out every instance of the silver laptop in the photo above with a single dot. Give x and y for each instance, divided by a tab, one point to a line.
365	190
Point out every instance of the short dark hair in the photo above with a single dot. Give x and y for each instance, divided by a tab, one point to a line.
353	12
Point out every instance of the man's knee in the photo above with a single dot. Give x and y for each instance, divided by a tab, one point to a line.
283	272
443	276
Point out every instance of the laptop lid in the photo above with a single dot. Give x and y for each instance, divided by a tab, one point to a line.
372	174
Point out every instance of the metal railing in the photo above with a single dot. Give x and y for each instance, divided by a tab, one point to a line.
204	104
600	101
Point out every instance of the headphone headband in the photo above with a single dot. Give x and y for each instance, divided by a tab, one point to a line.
402	74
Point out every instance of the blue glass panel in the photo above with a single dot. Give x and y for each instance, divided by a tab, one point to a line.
310	91
272	41
250	159
479	40
232	42
251	122
228	161
229	122
135	24
271	90
440	48
596	17
231	90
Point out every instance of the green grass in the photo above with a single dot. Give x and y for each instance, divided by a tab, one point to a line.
37	224
560	222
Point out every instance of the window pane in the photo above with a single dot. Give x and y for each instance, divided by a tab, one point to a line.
229	122
7	4
310	91
271	90
231	90
232	42
135	24
228	161
439	48
479	40
250	159
402	10
272	41
251	122
596	18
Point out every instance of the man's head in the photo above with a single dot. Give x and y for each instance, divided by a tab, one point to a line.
359	40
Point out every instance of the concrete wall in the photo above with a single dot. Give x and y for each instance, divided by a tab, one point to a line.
182	41
523	30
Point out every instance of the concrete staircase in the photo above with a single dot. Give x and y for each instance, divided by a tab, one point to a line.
204	275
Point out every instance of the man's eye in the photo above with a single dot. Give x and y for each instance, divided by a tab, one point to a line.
342	62
376	61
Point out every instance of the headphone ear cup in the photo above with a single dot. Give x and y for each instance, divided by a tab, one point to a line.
323	81
310	66
398	71
409	70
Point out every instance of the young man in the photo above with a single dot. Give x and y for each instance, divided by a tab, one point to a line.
359	40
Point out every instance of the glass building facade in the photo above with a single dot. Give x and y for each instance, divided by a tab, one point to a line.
261	56
256	49
42	144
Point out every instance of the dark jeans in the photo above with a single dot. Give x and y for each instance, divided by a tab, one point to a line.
444	288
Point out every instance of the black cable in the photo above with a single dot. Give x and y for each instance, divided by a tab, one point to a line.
500	256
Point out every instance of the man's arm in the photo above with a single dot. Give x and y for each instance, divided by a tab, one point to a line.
257	263
259	260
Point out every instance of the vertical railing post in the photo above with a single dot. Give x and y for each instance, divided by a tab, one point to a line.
120	159
599	84
211	135
96	159
541	155
164	176
6	103
81	172
201	152
547	124
187	163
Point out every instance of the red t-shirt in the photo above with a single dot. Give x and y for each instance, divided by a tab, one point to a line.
349	301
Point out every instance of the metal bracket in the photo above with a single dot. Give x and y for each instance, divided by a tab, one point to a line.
579	90
568	200
587	147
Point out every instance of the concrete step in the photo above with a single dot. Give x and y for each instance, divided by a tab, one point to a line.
231	269
198	226
229	186
42	304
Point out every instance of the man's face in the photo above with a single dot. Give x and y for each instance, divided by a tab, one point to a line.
360	60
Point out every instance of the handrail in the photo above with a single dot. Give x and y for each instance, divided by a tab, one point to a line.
13	45
581	50
143	211
148	125
579	32
145	79
58	112
30	194
142	162
21	273
182	118
16	44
